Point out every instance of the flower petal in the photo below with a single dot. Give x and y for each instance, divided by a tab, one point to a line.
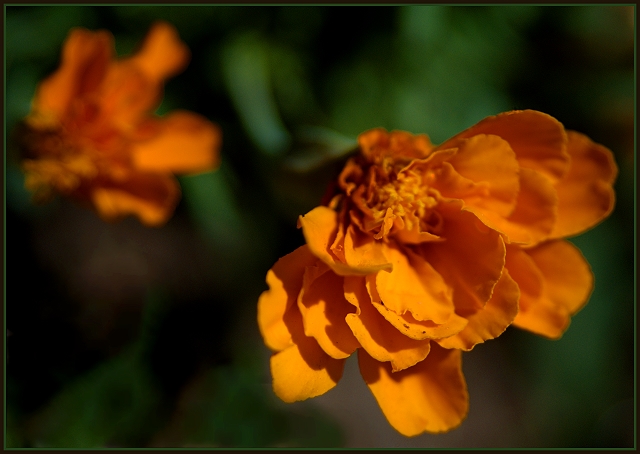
585	194
162	54
186	143
381	340
408	325
363	252
304	370
535	215
85	58
490	321
324	308
319	227
470	260
430	396
152	198
413	285
538	139
567	282
285	282
489	169
395	143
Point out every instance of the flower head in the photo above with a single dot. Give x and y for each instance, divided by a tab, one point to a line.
425	251
91	133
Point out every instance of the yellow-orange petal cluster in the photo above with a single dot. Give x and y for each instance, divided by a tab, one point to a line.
92	135
426	251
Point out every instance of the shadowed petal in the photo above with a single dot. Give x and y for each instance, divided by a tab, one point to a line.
585	194
381	340
413	285
285	282
566	283
303	370
85	58
490	321
485	175
470	260
535	215
408	325
320	227
430	396
538	139
324	308
152	198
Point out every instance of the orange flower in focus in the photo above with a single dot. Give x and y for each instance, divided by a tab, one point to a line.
424	252
91	133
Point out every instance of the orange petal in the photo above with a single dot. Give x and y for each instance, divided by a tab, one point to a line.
567	282
378	141
320	227
535	215
186	143
285	282
489	169
413	285
585	194
363	252
490	321
470	259
430	396
381	340
162	54
538	139
85	59
152	198
304	370
408	325
324	308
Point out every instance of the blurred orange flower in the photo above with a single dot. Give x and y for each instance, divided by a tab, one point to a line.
423	252
91	133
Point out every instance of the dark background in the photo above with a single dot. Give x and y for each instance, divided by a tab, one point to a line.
124	336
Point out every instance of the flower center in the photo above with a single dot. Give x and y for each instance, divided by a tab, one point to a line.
404	203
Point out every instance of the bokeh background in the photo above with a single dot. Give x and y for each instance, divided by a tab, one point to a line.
124	336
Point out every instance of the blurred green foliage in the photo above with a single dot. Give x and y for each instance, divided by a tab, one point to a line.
173	357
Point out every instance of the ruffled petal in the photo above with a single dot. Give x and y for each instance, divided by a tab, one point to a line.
381	340
535	215
485	175
363	252
323	307
319	227
470	260
285	282
490	321
186	143
413	285
430	396
408	325
85	58
304	370
538	139
152	198
585	194
560	287
395	143
162	54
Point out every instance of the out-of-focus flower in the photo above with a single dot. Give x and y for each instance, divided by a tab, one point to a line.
92	135
422	252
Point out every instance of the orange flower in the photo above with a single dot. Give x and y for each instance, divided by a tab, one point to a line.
424	252
91	134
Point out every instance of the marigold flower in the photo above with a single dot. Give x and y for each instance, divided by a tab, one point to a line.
425	251
91	133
